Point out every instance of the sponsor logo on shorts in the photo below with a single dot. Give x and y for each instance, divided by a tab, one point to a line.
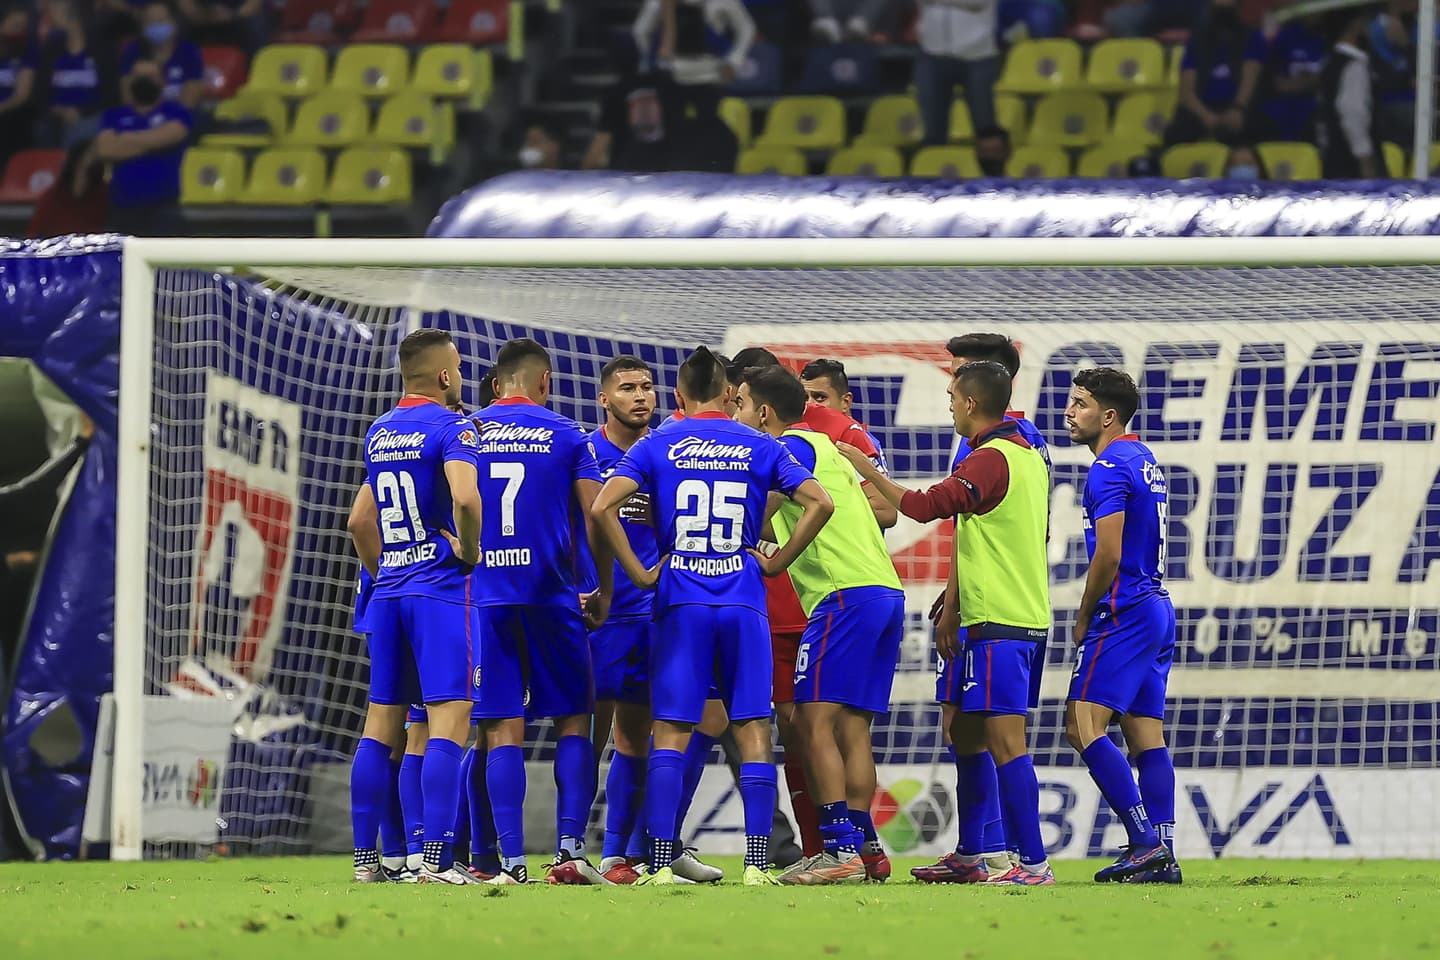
475	678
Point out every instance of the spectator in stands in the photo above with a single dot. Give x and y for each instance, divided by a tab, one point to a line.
1289	79
1347	128
540	149
236	23
699	44
992	150
78	201
184	68
859	18
116	20
1391	37
632	121
957	48
144	141
1219	74
1244	163
17	82
71	74
1144	18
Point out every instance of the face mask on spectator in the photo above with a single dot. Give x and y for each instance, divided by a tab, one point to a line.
145	91
159	33
1243	171
531	157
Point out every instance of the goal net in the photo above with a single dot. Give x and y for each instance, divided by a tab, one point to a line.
1293	408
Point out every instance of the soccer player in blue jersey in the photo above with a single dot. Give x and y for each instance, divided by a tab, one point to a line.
1125	626
535	661
708	479
420	463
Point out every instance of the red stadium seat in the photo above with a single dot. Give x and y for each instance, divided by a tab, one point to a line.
396	21
30	173
323	22
476	22
226	69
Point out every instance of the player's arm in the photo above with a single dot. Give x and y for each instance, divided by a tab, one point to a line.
464	480
597	606
816	507
1104	566
885	513
364	527
605	513
947	621
978	484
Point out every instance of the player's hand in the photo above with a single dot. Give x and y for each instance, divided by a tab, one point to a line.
768	566
1078	632
459	549
861	462
595	607
936	608
947	633
652	576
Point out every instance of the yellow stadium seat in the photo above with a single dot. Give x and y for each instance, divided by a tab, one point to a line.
288	70
451	70
370	175
736	114
1069	120
411	119
248	107
1038	163
285	177
1041	66
809	123
946	163
1010	114
1175	57
1194	160
1434	156
866	161
1109	160
892	121
330	119
211	175
962	127
1289	161
1120	66
1394	156
763	159
1143	117
371	69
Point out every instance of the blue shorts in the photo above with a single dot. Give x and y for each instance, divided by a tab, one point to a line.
948	681
621	652
417	714
534	661
695	648
1124	663
998	675
849	649
422	650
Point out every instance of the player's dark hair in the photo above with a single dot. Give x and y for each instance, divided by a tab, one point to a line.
780	389
702	376
417	344
832	370
989	383
995	347
517	353
747	358
623	363
1112	389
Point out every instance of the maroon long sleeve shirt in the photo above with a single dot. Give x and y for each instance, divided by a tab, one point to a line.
977	486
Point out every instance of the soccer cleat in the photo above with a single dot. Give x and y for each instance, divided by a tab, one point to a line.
877	866
1135	860
574	871
827	869
1170	873
399	875
755	877
664	877
509	878
479	874
796	868
687	866
1021	876
621	875
370	873
953	868
455	876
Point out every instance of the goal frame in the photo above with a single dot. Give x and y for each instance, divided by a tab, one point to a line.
143	256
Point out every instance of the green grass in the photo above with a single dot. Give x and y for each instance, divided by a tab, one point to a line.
269	909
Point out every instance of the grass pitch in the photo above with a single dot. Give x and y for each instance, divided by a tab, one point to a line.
268	909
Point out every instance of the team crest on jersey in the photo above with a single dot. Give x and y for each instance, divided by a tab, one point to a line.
475	679
468	438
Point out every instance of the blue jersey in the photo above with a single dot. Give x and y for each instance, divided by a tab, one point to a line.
1028	430
1126	478
708	478
405	455
530	458
630	602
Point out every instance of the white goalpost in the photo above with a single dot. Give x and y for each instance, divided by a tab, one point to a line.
1290	387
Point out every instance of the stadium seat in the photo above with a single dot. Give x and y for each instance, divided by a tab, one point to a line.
763	159
1109	160
211	175
412	119
395	21
288	70
454	71
866	161
1394	156
892	121
842	69
370	175
736	114
962	127
1174	58
285	177
1069	120
760	74
1038	163
810	123
29	174
332	118
475	22
1143	117
248	110
1009	113
1194	160
947	163
371	69
225	71
1041	66
1434	156
1122	66
1289	161
323	22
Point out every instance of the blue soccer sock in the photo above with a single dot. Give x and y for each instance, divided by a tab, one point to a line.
412	802
622	790
972	793
860	820
468	761
392	825
574	791
1112	772
664	779
369	793
991	815
440	781
1157	789
842	840
484	855
637	847
505	779
759	785
696	754
1020	798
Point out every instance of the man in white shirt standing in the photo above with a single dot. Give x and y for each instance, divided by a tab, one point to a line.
684	37
957	47
1347	102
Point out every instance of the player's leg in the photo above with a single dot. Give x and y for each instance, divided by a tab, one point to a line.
412	797
392	823
744	667
703	738
484	850
885	622
625	788
1144	730
785	648
391	681
500	707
